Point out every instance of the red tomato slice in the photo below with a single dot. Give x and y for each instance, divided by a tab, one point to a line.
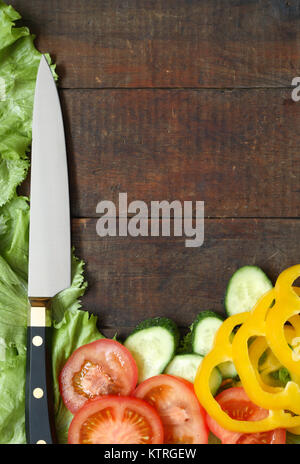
274	437
116	420
238	406
103	367
182	415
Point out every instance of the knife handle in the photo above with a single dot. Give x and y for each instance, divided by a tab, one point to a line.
38	406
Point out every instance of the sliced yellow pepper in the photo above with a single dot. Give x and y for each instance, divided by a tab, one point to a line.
278	398
286	307
258	324
257	348
221	352
267	324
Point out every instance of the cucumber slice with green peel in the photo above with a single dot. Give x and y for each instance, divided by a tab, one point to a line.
153	344
215	381
203	331
228	370
186	366
245	288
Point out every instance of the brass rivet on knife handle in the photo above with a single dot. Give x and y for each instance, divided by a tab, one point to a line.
39	313
37	341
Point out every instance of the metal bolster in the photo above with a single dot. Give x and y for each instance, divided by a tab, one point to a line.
39	314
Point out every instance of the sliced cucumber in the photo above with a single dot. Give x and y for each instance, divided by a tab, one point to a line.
228	370
245	288
203	331
186	366
215	381
153	344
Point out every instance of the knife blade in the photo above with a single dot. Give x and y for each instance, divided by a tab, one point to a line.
49	233
49	269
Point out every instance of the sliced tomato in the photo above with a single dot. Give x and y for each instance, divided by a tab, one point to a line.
103	367
274	437
182	415
116	420
237	405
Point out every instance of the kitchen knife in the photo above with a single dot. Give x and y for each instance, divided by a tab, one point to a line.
49	249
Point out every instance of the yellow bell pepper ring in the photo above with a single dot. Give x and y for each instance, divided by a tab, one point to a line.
264	369
286	307
256	350
264	328
221	352
287	398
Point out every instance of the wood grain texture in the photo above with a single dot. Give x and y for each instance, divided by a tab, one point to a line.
155	43
177	99
135	278
236	150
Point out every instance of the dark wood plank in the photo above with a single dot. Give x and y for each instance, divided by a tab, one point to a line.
131	279
167	43
236	150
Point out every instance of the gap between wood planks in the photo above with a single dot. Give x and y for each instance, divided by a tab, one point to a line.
229	89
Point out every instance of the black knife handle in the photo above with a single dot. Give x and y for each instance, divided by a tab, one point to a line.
38	406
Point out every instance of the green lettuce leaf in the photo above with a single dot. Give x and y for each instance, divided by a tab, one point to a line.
12	385
72	327
19	61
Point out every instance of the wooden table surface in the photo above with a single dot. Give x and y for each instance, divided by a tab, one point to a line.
186	100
